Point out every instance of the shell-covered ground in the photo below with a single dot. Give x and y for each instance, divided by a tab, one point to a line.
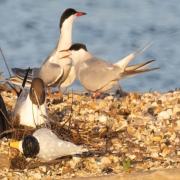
134	133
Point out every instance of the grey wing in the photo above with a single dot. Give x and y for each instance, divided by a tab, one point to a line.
50	73
49	57
20	73
94	74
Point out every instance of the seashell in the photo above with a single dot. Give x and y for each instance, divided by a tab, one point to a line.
165	114
131	130
166	151
157	138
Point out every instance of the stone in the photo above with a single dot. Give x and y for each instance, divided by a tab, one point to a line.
4	161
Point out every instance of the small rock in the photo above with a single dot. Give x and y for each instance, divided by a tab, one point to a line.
105	161
107	170
103	119
131	130
178	153
36	175
178	125
165	114
157	138
165	151
91	117
131	157
155	155
5	161
43	168
74	161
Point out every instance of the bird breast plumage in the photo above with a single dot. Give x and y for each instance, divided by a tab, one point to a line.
29	114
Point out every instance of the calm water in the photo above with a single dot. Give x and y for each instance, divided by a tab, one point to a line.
111	30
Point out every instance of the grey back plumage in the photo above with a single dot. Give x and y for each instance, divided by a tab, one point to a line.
94	73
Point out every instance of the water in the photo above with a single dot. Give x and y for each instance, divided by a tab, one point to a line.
111	30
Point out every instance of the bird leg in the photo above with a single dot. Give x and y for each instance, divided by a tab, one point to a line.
54	95
120	92
95	95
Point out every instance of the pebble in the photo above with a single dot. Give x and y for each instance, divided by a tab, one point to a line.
102	119
165	114
36	175
4	161
43	168
178	125
143	127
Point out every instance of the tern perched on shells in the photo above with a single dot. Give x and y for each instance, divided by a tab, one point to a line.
44	144
54	70
30	108
97	75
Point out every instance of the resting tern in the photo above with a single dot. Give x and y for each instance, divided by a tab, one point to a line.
44	144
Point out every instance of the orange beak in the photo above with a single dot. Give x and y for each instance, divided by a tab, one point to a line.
80	14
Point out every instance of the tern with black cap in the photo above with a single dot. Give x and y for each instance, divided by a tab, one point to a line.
54	70
97	75
44	144
30	108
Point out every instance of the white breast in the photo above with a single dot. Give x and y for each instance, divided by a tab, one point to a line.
28	113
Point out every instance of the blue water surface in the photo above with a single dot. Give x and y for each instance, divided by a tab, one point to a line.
111	29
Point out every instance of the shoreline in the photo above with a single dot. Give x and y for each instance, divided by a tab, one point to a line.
137	132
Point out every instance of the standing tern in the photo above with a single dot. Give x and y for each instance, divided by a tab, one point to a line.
97	75
54	70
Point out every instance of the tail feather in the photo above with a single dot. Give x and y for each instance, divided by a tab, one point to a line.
126	60
18	81
22	72
132	73
139	66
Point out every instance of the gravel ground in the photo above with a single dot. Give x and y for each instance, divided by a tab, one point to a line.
136	133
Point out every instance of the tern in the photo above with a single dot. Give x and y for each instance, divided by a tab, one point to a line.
54	70
30	107
44	144
97	75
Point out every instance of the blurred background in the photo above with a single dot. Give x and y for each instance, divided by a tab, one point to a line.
111	29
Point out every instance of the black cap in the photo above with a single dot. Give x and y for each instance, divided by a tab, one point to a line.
78	46
37	91
67	13
30	146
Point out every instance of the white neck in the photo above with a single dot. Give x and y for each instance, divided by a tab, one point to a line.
81	56
65	39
